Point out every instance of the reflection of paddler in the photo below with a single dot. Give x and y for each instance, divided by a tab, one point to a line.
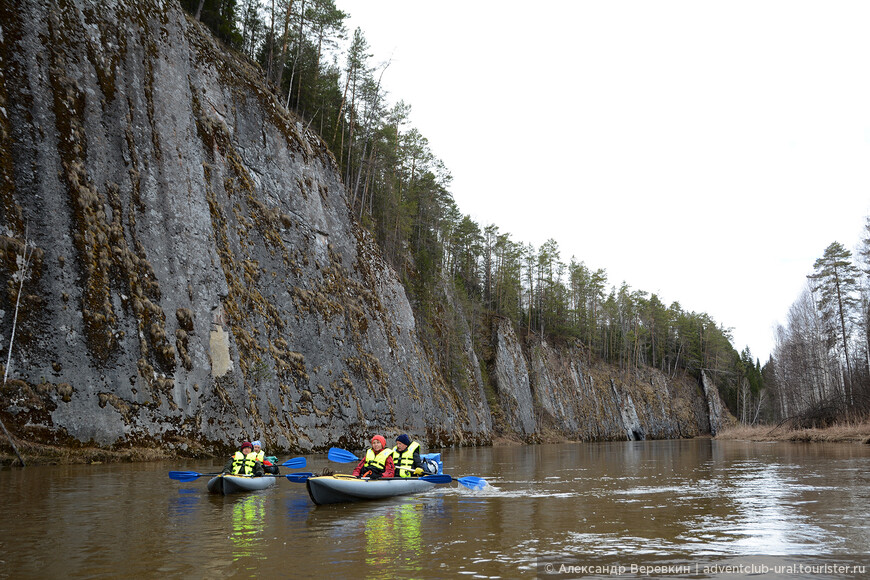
394	539
248	516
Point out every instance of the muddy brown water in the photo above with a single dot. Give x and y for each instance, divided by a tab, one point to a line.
672	508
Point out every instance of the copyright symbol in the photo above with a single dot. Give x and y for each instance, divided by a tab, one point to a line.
549	568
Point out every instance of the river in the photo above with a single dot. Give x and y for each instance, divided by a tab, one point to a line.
687	508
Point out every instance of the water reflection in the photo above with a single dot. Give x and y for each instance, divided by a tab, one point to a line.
766	509
385	539
393	539
248	522
297	508
185	503
688	498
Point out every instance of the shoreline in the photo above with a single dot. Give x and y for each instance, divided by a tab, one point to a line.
39	454
851	432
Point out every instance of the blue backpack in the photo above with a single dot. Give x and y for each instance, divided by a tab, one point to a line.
432	463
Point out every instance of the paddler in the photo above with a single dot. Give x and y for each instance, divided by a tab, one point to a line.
268	467
378	461
406	457
244	462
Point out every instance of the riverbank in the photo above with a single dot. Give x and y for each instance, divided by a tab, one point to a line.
853	432
39	454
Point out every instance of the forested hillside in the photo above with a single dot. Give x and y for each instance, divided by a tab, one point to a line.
401	192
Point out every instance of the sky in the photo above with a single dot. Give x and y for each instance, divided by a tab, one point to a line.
707	152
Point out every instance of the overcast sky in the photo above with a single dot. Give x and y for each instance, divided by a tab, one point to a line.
707	152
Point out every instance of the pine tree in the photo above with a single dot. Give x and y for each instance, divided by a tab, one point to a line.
836	282
219	15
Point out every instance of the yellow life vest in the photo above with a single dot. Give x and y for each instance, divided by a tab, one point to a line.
377	462
405	459
261	455
244	464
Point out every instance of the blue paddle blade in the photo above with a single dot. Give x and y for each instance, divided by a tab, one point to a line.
295	463
341	455
298	477
443	478
184	475
472	482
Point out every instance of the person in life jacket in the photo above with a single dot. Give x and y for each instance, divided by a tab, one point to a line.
268	466
378	461
406	457
244	462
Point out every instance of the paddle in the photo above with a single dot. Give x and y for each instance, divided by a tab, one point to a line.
471	482
193	475
295	463
437	478
341	455
298	477
188	475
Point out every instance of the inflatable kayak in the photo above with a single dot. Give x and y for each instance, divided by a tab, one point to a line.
236	483
326	489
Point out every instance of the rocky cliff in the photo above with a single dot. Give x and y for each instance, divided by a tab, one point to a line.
195	276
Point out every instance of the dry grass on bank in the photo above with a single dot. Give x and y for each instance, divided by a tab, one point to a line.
39	454
502	441
849	432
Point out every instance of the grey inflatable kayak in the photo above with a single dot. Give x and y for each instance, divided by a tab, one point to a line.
236	483
327	489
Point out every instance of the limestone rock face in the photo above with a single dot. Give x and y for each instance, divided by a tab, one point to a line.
512	380
715	408
597	402
195	276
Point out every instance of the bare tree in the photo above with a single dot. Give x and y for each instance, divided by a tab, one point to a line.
23	262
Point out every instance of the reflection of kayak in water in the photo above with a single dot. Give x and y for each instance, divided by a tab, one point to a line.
237	483
344	488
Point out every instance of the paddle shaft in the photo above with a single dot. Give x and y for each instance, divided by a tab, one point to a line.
295	463
192	475
470	481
